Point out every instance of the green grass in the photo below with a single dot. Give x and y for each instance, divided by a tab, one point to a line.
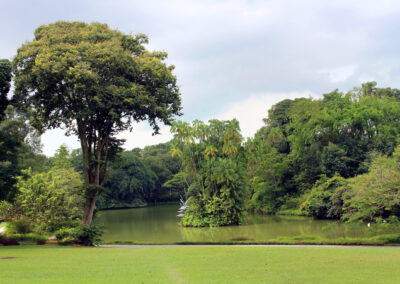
187	264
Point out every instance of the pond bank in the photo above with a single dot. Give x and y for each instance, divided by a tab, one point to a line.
248	245
381	240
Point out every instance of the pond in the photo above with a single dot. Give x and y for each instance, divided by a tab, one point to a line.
159	224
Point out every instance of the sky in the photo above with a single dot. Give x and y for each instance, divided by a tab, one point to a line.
234	59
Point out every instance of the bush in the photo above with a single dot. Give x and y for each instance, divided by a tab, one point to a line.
23	226
80	235
51	200
26	237
325	198
375	196
388	239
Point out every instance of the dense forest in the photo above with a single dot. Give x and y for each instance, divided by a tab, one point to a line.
330	157
313	156
138	177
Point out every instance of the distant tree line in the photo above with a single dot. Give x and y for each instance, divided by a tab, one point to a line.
138	177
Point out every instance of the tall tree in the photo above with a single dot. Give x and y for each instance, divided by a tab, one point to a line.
94	82
5	78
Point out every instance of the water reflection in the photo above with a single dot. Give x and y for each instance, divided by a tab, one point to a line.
160	225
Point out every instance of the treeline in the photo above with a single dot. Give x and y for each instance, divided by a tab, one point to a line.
138	177
312	155
332	157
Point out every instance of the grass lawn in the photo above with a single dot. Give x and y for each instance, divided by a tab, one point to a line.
187	264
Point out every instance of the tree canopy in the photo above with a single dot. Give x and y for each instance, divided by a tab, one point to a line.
94	82
307	141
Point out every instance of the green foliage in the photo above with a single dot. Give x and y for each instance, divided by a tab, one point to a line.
214	168
176	185
138	177
334	160
268	177
222	199
23	225
29	237
49	200
164	166
130	179
80	234
375	195
324	199
7	210
5	78
304	139
52	199
61	159
19	149
95	81
104	202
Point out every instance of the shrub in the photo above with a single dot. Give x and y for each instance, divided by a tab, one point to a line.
23	225
45	201
26	237
375	196
388	239
324	199
79	235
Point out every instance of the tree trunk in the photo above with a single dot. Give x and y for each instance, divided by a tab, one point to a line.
93	170
88	209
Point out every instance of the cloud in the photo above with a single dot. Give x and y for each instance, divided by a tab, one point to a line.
252	110
232	51
140	137
53	139
339	74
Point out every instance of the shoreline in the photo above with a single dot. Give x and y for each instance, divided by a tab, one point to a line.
245	245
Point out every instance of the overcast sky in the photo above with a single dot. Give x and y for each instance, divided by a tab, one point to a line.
235	58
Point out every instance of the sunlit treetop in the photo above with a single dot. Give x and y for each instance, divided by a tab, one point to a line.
78	71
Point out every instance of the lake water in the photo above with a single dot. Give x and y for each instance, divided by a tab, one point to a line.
159	224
